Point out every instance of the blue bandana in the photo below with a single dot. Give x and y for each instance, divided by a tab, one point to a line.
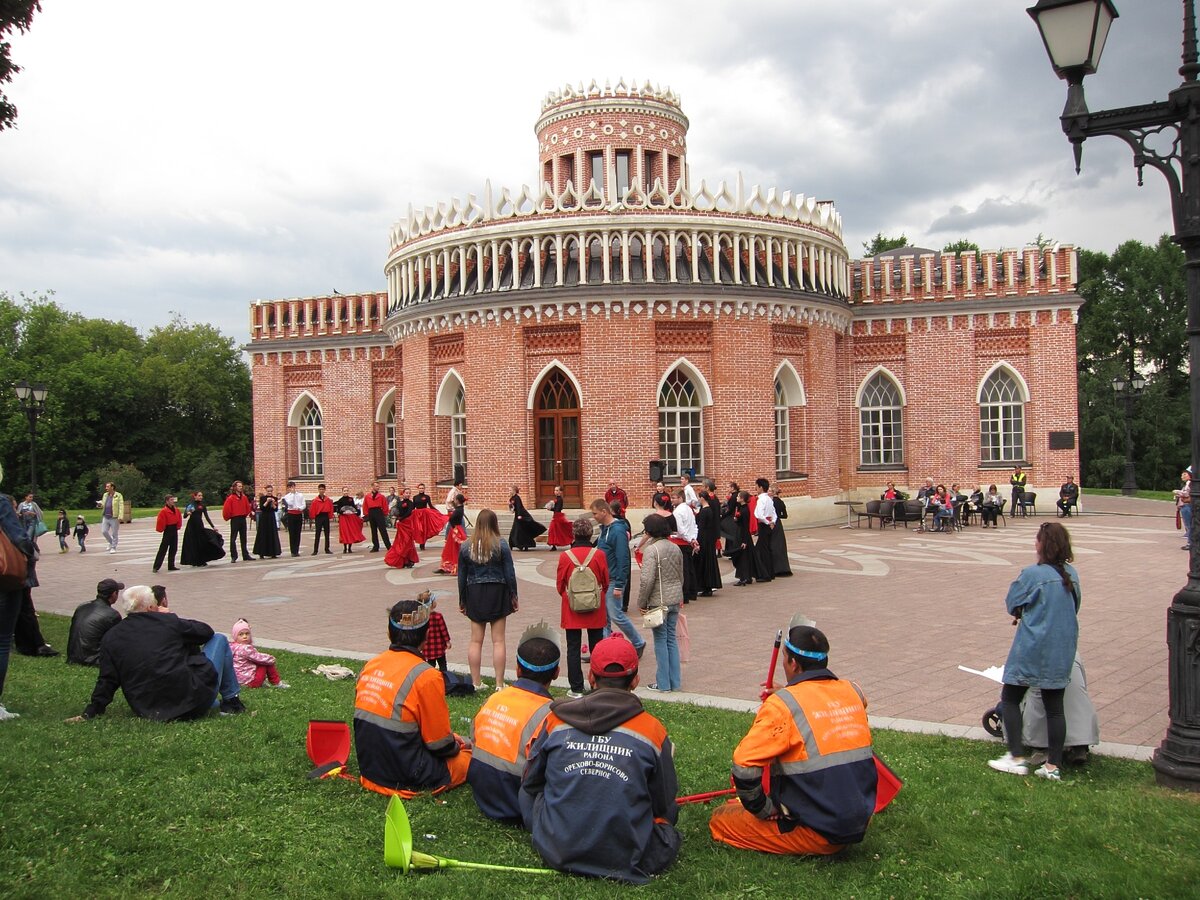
532	668
807	654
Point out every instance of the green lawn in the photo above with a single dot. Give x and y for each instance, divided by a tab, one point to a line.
1116	492
221	807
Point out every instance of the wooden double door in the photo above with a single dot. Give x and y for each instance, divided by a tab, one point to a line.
557	441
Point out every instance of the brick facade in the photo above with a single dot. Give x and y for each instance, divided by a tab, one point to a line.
606	287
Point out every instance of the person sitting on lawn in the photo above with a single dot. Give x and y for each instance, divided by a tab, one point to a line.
813	737
91	622
251	665
598	793
508	721
167	667
402	733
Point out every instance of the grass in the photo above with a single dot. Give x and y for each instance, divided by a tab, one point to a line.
221	807
1117	492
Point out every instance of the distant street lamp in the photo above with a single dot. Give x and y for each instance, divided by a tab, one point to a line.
33	401
1128	391
1166	136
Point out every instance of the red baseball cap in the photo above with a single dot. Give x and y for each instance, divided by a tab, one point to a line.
614	657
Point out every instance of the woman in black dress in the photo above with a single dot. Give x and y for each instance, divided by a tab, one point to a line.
779	551
266	535
525	528
742	548
729	528
198	548
708	532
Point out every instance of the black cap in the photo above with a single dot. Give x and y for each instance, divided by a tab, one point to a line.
107	586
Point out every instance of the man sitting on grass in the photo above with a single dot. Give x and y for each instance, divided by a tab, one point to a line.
402	733
168	668
599	790
508	721
813	737
91	622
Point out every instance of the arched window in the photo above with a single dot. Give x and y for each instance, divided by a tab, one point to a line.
312	464
783	432
389	450
881	422
679	425
1001	419
458	429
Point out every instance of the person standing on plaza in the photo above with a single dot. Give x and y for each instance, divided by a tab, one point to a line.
660	496
349	521
113	509
320	511
767	520
456	535
1044	603
427	521
661	585
266	535
525	528
560	528
1019	480
487	592
779	548
293	516
62	530
1183	507
31	518
81	532
197	549
614	541
616	494
708	534
686	538
10	597
169	521
690	497
375	510
403	552
575	621
237	510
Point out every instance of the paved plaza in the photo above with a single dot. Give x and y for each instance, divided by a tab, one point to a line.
902	610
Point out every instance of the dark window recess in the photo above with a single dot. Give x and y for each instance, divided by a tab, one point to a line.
1062	440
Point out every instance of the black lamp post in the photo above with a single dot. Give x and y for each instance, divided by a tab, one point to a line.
1074	32
33	401
1128	391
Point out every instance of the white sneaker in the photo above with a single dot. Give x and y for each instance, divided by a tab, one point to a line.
1011	764
5	715
574	695
112	549
1049	774
281	684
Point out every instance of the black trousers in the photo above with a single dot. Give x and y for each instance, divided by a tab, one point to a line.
27	634
295	522
763	557
167	547
574	660
321	523
379	529
1011	696
237	529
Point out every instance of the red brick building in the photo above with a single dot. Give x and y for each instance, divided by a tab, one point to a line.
621	314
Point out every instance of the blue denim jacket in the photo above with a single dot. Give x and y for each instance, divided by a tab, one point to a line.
499	569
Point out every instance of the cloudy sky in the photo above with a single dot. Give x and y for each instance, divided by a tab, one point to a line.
192	157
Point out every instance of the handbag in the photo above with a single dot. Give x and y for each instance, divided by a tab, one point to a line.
39	528
14	565
655	615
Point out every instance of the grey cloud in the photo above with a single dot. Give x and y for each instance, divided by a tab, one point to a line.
1000	211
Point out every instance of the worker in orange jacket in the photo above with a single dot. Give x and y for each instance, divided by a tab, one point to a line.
813	738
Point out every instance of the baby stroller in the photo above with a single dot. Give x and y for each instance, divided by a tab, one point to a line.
1083	726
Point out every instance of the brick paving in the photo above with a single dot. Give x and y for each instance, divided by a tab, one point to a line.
902	610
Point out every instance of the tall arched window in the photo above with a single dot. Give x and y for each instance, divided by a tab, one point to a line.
312	464
881	422
679	425
389	450
783	432
458	429
1001	419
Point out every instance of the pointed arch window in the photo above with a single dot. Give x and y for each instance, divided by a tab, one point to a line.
1001	419
680	435
389	449
783	431
458	429
312	463
881	423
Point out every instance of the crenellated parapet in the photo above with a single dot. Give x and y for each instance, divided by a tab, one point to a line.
621	90
338	317
927	277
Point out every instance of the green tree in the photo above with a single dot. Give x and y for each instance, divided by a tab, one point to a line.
960	246
14	14
880	243
129	480
1134	322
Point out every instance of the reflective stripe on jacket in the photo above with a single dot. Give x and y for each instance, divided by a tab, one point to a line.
501	734
814	737
402	724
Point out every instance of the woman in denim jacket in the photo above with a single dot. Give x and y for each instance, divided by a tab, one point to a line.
487	592
10	598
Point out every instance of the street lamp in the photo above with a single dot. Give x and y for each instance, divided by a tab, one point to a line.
33	401
1074	32
1129	391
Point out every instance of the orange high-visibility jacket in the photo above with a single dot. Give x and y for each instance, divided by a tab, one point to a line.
501	735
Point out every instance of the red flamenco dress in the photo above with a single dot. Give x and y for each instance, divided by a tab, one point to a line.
403	552
426	521
454	541
349	524
561	534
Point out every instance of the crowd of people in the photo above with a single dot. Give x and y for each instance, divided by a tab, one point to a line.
952	508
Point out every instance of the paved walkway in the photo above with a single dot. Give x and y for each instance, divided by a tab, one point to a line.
902	610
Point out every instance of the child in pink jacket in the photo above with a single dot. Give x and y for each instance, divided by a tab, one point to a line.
250	666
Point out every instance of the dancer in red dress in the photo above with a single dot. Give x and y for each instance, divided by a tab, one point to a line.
349	521
427	521
560	529
454	538
403	552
